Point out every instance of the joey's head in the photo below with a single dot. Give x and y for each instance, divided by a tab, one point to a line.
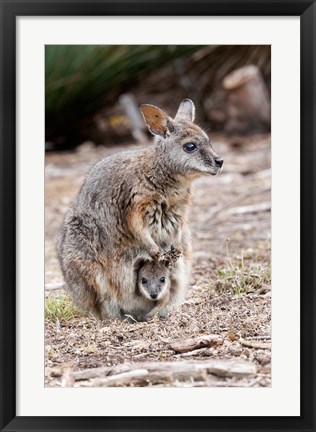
184	147
153	279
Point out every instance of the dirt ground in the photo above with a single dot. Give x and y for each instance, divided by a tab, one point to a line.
229	300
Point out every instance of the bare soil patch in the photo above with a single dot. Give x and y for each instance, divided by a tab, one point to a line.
229	297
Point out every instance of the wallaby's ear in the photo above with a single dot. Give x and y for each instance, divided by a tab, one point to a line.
156	120
186	110
139	263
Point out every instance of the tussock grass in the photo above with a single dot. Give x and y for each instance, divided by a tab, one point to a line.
243	279
79	79
60	308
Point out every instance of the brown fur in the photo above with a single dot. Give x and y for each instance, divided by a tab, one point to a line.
133	205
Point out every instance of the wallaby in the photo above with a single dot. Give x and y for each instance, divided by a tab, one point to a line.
134	205
155	285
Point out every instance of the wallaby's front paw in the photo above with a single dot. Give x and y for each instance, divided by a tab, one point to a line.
154	253
176	250
171	257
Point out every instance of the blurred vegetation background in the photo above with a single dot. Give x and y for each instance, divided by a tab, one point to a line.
93	92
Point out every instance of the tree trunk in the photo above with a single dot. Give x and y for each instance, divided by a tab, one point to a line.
248	104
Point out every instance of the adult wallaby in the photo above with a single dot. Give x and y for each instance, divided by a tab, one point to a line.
133	205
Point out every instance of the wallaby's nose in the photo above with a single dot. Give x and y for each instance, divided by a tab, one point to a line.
218	161
153	295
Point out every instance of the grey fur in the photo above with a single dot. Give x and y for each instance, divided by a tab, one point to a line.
131	206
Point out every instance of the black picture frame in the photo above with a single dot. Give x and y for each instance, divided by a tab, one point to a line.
11	9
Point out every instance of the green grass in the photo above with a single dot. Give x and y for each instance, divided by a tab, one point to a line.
79	79
78	75
60	308
243	279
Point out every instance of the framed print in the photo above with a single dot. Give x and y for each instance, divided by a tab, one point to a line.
157	311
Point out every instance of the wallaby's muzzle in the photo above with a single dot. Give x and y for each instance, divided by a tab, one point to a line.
217	165
212	163
218	162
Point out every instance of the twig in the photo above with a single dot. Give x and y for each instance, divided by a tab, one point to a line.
193	344
227	253
255	345
259	337
263	290
201	351
255	381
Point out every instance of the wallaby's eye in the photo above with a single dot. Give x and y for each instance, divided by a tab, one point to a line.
144	281
163	279
189	147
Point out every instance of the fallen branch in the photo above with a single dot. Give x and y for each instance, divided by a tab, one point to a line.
170	371
195	343
255	345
